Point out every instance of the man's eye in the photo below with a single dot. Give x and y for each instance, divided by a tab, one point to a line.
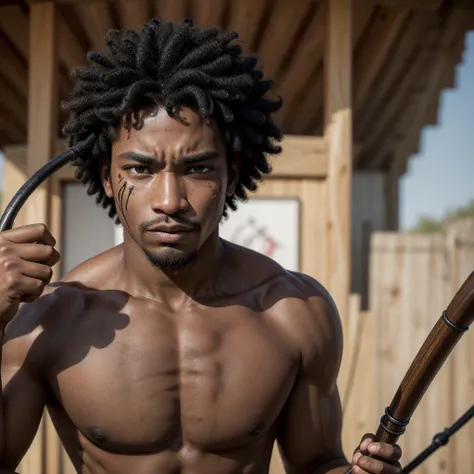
138	170
199	169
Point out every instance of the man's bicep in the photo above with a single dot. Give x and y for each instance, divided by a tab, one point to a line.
310	428
23	400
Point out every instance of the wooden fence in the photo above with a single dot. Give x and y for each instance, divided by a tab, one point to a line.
412	279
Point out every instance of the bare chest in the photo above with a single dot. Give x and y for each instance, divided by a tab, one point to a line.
214	379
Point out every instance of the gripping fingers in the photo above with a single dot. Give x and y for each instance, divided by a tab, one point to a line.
40	253
37	271
367	465
30	233
389	452
23	286
363	464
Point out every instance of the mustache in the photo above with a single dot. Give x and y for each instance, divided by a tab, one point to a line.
169	220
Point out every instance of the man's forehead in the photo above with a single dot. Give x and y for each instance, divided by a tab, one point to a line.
160	133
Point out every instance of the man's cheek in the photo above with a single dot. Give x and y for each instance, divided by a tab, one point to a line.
124	196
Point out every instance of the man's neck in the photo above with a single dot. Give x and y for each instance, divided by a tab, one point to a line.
176	287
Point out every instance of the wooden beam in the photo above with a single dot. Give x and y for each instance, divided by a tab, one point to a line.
383	31
133	14
440	59
71	52
13	104
245	17
10	127
307	59
208	13
430	5
395	69
171	10
415	4
389	121
308	115
362	17
97	20
12	68
402	133
302	157
274	45
338	132
14	23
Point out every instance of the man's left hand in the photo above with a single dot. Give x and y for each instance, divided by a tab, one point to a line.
387	462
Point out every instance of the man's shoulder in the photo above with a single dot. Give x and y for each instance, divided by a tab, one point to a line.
282	289
95	272
311	320
301	294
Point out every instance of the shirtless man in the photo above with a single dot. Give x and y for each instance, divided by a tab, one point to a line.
175	352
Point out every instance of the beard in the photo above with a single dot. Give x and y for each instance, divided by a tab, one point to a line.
171	259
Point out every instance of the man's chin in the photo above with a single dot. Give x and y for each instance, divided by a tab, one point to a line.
170	258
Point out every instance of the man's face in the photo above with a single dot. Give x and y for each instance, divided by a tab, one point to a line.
169	180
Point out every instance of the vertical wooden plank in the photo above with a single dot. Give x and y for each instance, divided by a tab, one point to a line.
338	132
43	101
42	131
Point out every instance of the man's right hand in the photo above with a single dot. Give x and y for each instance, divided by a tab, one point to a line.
26	256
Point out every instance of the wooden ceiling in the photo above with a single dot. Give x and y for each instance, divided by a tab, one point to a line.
403	58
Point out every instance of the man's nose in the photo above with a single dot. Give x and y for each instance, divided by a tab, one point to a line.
169	194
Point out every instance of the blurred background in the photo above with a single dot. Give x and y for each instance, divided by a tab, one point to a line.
372	195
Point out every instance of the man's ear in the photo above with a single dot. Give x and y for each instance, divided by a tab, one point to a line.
105	176
234	173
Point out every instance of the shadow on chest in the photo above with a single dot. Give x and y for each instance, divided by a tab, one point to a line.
158	382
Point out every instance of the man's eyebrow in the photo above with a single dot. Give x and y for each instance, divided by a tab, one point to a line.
198	157
187	159
138	157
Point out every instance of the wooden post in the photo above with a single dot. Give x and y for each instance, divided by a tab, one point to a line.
44	454
42	101
338	132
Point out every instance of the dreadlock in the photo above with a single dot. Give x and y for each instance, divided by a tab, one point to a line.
172	65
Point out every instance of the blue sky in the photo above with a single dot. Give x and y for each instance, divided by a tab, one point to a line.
441	176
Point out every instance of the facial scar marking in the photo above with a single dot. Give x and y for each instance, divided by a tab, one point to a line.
130	189
120	199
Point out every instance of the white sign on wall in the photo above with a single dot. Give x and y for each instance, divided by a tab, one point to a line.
268	226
